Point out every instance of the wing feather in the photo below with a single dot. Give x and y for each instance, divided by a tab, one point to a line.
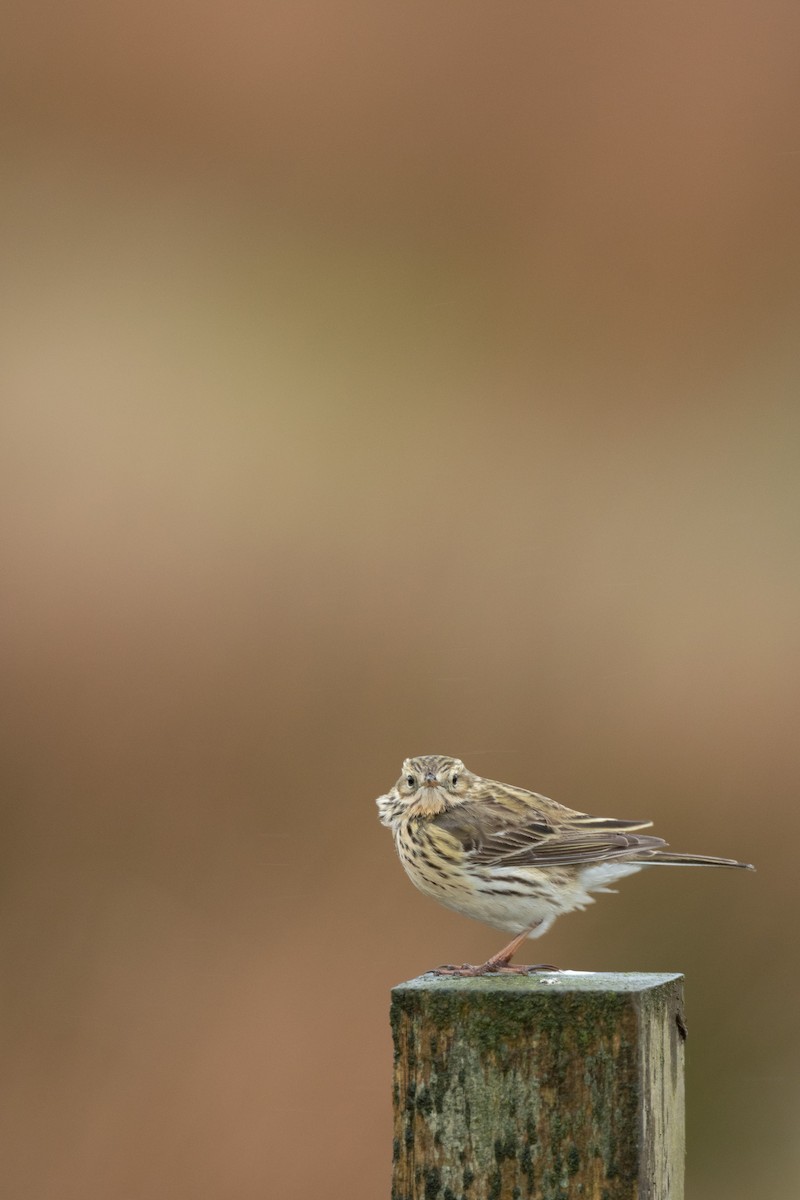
493	834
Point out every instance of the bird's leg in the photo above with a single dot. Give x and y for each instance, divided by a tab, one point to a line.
503	957
499	964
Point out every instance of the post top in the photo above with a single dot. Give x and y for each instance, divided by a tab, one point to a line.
542	982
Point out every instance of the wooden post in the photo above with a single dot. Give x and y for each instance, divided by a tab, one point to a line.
547	1086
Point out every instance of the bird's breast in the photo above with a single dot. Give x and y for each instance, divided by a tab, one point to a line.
433	859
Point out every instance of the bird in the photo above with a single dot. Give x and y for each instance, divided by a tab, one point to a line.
511	858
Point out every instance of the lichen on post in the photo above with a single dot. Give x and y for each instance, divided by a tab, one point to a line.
549	1086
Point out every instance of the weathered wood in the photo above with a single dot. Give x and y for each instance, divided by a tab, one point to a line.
548	1086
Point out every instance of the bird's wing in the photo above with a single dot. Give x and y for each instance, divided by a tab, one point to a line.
493	834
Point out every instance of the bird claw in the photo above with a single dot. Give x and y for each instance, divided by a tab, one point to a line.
522	969
535	967
468	971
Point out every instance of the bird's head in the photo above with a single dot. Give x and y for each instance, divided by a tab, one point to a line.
429	784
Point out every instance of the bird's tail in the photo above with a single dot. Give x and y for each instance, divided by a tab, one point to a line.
666	858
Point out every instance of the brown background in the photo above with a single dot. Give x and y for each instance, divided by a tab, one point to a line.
380	380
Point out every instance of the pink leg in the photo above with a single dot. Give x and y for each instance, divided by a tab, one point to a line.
499	964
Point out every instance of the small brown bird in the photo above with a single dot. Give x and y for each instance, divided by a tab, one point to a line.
509	857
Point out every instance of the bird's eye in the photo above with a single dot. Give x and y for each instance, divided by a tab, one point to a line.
410	780
454	780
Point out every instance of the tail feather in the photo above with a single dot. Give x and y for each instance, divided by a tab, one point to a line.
666	858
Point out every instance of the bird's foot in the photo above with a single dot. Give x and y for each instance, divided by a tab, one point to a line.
522	969
468	971
462	972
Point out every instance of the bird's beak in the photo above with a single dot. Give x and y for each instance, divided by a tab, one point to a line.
430	779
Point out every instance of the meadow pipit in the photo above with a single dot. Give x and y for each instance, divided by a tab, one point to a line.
510	857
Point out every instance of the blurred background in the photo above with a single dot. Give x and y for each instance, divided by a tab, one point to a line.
382	380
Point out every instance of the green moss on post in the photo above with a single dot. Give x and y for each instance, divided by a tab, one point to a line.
541	1087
